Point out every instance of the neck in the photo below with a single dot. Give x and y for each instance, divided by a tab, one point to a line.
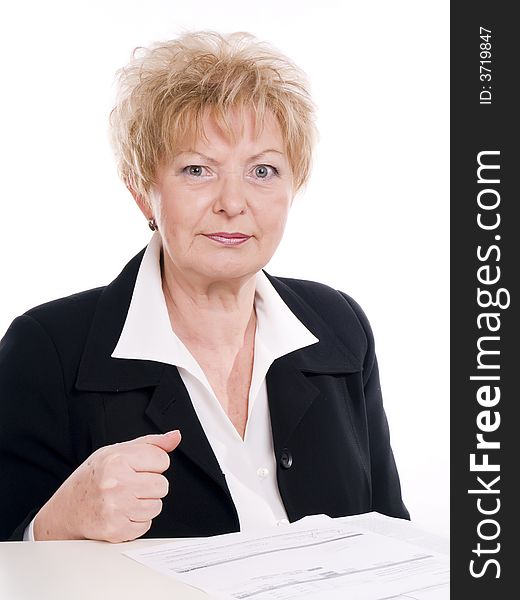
214	315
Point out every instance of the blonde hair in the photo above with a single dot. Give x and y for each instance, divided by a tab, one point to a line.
165	90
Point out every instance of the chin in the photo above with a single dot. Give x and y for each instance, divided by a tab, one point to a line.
227	270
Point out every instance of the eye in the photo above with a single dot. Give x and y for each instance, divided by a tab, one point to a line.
265	171
194	170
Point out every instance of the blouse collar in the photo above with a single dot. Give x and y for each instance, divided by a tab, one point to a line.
147	333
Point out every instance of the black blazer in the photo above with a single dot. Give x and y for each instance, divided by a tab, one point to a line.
62	396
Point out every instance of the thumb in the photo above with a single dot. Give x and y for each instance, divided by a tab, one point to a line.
166	441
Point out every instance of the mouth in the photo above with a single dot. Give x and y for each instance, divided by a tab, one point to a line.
228	239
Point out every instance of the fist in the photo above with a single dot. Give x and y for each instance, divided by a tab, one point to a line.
113	495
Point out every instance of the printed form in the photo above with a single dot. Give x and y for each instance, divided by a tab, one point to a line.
365	557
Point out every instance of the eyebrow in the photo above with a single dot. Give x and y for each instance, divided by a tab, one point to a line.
212	161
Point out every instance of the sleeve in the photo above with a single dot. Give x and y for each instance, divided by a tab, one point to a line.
35	449
28	534
386	487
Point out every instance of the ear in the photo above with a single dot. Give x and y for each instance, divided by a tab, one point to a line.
141	202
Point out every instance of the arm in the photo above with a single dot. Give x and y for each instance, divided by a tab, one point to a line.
386	488
113	495
35	450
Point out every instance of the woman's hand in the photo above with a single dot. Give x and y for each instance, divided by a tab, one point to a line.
113	495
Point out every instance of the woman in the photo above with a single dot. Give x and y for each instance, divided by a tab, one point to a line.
271	382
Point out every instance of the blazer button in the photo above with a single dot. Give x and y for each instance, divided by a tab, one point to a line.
286	459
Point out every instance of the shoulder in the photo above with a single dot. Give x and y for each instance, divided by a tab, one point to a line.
65	320
56	328
336	308
72	313
63	327
322	295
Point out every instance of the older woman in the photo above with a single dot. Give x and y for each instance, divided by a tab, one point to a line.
271	382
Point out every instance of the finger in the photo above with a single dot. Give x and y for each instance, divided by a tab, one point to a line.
135	529
149	485
146	458
142	511
166	441
125	531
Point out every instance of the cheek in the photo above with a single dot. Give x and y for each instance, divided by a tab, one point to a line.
274	217
179	215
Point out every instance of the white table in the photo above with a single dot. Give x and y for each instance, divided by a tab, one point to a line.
83	570
88	570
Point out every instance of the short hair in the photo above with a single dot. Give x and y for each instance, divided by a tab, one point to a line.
165	90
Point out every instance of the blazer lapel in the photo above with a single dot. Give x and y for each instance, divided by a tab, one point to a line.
289	395
290	391
98	371
170	406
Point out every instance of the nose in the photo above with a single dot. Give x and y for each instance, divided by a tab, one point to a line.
230	196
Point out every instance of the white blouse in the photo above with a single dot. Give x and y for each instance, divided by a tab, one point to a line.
249	464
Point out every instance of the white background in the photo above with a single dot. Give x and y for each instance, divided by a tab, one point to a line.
372	222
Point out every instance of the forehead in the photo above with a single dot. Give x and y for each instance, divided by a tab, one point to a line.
236	127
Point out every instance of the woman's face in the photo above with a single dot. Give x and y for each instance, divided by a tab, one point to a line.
221	207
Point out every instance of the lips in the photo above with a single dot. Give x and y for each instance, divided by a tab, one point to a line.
228	239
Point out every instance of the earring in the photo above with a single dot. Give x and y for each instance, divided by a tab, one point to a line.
152	224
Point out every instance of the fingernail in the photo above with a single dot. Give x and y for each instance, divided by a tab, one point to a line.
173	431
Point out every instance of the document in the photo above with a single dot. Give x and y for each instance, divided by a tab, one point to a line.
367	557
